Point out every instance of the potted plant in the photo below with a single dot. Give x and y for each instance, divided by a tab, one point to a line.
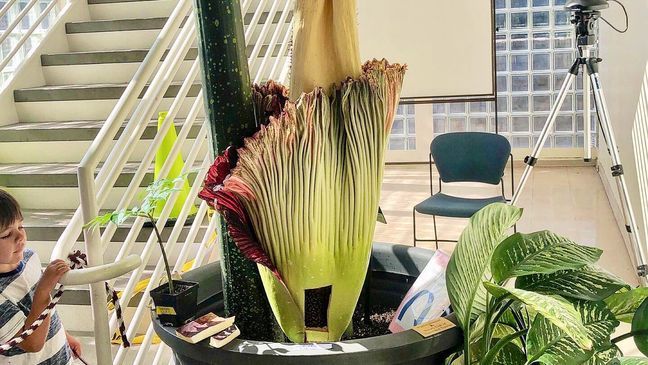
300	191
538	297
176	300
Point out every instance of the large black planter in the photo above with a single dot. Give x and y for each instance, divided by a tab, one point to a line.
393	270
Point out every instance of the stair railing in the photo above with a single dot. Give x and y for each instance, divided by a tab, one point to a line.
153	82
13	57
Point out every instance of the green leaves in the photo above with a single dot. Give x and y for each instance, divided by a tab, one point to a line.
640	323
550	345
589	283
625	303
470	261
158	191
539	253
562	310
630	361
555	311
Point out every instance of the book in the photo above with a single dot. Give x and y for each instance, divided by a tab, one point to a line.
203	327
223	337
427	299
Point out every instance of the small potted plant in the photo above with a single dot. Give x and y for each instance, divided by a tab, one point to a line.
176	300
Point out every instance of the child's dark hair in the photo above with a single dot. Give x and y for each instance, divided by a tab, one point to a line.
9	210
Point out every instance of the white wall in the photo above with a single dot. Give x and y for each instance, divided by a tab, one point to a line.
624	67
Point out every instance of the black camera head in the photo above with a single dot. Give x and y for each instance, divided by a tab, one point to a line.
586	5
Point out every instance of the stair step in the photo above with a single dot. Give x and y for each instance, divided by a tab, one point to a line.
119	25
94	2
99	57
111	10
89	92
140	33
55	184
52	175
76	131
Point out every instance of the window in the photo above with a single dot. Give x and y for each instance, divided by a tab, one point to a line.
403	133
534	50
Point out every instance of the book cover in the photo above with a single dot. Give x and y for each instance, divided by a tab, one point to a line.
203	327
427	299
223	337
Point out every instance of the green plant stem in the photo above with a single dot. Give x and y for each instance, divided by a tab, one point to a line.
164	255
488	324
492	353
629	335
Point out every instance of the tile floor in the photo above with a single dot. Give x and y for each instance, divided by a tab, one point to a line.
569	201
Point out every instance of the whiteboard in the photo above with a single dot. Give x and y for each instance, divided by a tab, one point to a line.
447	45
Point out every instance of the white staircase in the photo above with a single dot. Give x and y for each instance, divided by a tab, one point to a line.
58	121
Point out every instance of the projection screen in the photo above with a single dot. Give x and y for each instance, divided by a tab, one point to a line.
448	46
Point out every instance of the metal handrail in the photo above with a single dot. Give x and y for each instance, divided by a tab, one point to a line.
158	74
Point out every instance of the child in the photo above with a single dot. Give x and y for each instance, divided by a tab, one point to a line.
24	294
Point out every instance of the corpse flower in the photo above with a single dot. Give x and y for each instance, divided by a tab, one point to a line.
300	197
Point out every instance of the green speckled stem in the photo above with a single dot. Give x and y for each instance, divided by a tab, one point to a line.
230	110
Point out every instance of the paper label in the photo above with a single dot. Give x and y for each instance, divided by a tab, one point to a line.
165	310
433	327
427	299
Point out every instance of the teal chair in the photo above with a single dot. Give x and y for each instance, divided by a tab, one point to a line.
464	157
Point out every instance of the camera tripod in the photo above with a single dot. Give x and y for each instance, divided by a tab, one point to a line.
586	38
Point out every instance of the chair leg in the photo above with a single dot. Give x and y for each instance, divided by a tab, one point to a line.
414	224
436	239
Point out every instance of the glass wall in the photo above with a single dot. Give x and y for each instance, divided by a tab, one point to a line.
534	49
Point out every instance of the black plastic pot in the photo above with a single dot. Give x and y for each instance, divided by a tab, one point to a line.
178	308
393	270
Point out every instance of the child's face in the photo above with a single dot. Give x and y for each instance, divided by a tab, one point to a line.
12	243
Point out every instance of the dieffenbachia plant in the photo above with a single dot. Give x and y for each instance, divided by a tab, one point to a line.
301	196
562	308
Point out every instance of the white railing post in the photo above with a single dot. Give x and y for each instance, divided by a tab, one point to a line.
95	258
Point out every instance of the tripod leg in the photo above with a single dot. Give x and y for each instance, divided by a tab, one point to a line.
587	110
617	171
531	160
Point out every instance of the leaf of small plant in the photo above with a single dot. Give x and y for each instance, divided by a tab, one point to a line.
100	221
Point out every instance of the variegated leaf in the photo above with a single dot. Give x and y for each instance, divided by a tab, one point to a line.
562	315
630	361
470	261
604	357
588	283
539	253
510	354
624	304
550	345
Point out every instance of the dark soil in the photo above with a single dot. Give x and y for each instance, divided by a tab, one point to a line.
376	323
